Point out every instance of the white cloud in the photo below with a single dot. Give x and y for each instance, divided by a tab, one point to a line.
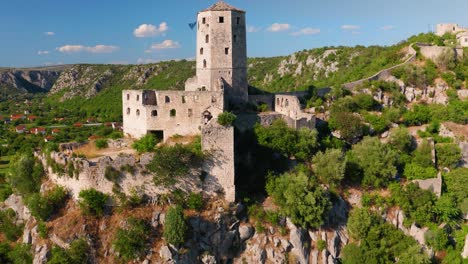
276	27
81	48
146	61
167	44
306	31
49	33
386	28
43	52
252	29
148	30
350	27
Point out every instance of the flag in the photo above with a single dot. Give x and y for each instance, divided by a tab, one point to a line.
192	25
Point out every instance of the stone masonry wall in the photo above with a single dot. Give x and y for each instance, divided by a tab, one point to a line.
218	141
173	112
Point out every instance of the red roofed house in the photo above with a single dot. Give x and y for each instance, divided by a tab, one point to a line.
17	117
55	131
78	124
32	117
20	129
38	130
48	138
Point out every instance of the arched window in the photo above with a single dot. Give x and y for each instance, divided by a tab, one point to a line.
138	97
168	99
128	96
173	113
154	113
226	51
183	99
128	111
138	112
204	63
207	39
201	51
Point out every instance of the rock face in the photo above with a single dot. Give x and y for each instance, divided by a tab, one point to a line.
32	81
15	202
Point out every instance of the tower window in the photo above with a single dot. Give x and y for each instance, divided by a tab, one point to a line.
154	113
201	51
235	38
183	99
190	113
138	98
238	20
138	112
226	51
207	39
204	63
221	19
168	99
128	96
204	20
173	112
128	111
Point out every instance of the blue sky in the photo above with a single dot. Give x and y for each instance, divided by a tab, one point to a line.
36	33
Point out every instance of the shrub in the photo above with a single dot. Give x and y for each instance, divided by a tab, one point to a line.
300	198
448	155
42	229
349	125
175	227
414	171
437	239
111	174
376	160
457	186
20	254
92	201
145	144
423	154
330	166
25	174
173	162
131	242
226	119
195	201
44	206
401	140
321	245
7	225
77	253
101	143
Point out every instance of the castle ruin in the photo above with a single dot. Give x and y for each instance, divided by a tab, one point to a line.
459	31
220	84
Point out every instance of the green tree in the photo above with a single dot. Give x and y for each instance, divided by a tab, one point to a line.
446	209
330	166
360	221
414	255
92	201
376	160
175	226
173	162
300	198
132	242
279	137
145	144
226	118
448	155
20	254
401	140
349	125
457	186
44	206
25	174
423	154
438	239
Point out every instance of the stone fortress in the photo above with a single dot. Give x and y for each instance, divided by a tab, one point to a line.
459	31
220	85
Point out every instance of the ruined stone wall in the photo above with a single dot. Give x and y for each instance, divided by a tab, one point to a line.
172	112
290	107
91	174
433	52
451	28
218	141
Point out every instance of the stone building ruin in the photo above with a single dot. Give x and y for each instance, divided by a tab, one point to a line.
220	84
459	31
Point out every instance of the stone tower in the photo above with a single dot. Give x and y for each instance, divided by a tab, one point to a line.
221	52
